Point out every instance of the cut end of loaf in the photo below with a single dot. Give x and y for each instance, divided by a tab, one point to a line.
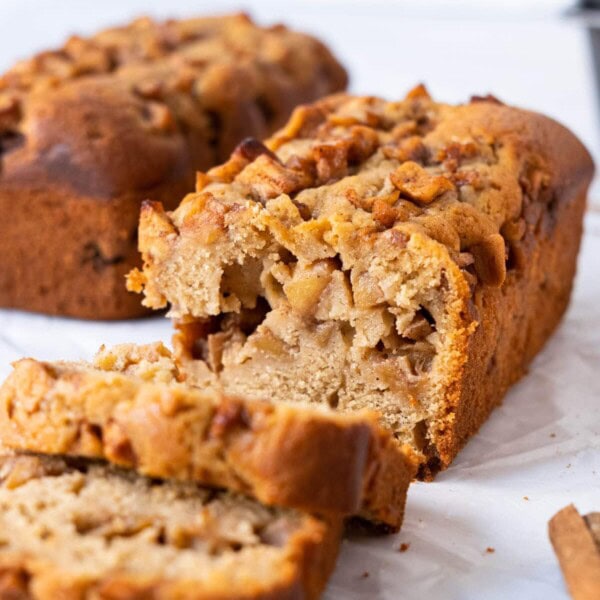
384	335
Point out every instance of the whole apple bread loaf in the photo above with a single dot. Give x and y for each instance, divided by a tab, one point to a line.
409	257
80	529
129	408
90	130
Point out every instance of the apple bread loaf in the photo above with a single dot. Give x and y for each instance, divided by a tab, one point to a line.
78	529
90	130
130	409
408	257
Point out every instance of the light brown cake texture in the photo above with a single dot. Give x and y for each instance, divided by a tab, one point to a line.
129	408
75	529
88	131
408	257
576	541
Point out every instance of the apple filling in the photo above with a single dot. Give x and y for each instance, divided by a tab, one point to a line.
374	336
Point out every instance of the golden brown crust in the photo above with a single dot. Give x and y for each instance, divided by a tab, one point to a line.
515	319
300	557
284	455
89	131
458	224
577	548
512	331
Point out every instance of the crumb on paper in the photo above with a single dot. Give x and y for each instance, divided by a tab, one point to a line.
403	547
525	497
490	550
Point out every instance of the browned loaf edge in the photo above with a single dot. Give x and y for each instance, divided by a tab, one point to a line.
299	569
576	541
481	204
516	319
281	454
88	131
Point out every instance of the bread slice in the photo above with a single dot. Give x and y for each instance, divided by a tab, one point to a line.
76	529
408	257
130	409
576	541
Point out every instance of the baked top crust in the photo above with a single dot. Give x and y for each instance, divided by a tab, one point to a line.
145	103
131	409
74	528
576	541
354	171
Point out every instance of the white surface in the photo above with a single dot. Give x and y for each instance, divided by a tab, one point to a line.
543	442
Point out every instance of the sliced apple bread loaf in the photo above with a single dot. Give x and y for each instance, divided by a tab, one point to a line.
408	257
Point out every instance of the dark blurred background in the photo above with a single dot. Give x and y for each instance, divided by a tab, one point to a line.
533	53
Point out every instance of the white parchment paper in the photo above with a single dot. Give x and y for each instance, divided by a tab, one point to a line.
480	530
